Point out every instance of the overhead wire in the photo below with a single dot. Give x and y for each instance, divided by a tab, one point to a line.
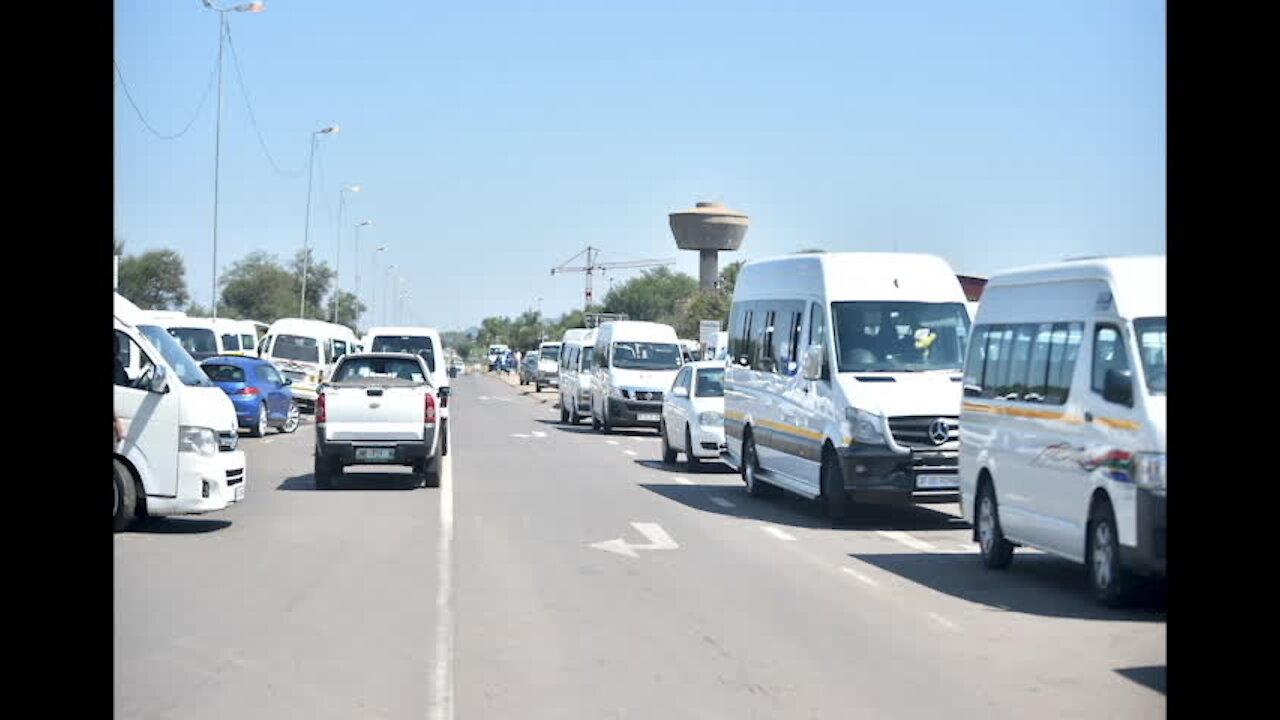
244	93
125	86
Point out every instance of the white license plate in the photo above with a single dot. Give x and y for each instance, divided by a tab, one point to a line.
376	454
647	417
240	492
934	482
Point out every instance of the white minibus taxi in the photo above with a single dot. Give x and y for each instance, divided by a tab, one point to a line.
237	337
843	377
424	341
305	351
1062	446
577	352
635	362
177	452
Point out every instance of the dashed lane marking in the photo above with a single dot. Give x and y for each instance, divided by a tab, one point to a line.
776	532
860	576
722	502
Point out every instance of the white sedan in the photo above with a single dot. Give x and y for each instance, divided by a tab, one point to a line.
693	414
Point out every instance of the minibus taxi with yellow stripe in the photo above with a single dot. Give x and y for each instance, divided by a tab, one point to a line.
842	377
1062	442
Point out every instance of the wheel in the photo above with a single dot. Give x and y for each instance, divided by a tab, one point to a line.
751	469
260	428
572	412
668	455
125	502
564	412
691	463
293	420
595	422
606	423
537	387
1110	583
833	493
430	470
996	551
324	472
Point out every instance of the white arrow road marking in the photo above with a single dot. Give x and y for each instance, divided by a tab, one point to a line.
780	534
722	502
658	540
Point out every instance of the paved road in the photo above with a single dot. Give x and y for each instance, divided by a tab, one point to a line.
516	591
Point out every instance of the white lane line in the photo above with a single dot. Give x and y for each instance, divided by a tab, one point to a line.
684	481
441	701
612	442
538	434
860	576
909	541
632	453
722	502
780	534
942	621
519	435
268	441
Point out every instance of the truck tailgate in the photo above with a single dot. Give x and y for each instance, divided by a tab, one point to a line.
375	412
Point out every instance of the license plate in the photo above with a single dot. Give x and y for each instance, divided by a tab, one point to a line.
376	454
647	417
937	481
239	492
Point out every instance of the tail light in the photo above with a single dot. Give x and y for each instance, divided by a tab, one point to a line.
320	409
429	416
248	391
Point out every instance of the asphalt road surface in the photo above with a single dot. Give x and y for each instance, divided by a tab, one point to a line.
563	573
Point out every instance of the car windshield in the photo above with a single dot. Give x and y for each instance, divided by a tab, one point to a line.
380	369
186	368
588	357
1153	346
646	356
218	372
417	344
200	343
293	347
710	382
900	336
549	352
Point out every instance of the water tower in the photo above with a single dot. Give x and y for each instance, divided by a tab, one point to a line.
709	228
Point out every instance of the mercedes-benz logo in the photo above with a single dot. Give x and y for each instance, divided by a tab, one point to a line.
939	431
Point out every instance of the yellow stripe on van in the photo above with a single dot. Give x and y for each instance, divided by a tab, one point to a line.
782	427
735	416
1051	415
1120	424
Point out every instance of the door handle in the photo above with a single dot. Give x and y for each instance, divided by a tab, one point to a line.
1088	416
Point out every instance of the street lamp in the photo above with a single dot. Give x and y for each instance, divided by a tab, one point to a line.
374	302
306	222
357	253
337	277
217	133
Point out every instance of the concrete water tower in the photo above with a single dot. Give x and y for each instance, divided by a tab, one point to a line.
709	228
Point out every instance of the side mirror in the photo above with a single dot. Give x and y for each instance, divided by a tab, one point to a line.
159	382
681	391
445	391
813	364
1117	387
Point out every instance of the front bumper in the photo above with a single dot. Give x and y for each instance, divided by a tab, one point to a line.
545	378
1149	556
708	442
205	484
407	452
877	473
627	412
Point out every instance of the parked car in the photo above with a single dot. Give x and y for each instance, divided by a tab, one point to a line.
636	362
261	395
378	409
528	367
1064	417
693	414
548	368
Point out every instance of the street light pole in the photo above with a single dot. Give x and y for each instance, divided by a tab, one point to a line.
306	222
217	132
357	253
373	303
337	277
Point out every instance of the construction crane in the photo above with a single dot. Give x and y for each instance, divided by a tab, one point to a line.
592	267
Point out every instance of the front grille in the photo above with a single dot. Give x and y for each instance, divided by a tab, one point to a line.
935	462
227	441
913	431
234	477
652	396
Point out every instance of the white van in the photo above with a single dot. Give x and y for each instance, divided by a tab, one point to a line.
547	371
237	337
424	341
305	351
577	353
1063	442
177	454
635	362
843	377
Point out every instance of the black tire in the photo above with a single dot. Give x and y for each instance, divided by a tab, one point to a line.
293	420
430	471
691	463
668	455
126	495
996	551
324	472
606	423
834	497
260	428
564	413
595	422
751	470
444	438
1110	583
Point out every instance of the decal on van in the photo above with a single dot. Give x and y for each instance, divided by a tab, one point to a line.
1115	464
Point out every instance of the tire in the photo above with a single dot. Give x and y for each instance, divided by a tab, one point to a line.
1110	583
606	423
668	455
564	412
537	387
595	422
260	428
292	420
430	470
996	551
834	497
751	469
125	503
691	463
324	472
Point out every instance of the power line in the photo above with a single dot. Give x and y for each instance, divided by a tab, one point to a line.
235	61
125	86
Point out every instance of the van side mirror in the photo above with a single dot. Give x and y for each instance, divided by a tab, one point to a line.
813	358
1117	387
159	381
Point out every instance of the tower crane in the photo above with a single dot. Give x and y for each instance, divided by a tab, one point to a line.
591	267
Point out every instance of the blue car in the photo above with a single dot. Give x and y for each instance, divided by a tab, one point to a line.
260	393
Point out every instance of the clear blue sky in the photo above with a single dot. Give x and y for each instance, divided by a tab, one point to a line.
495	141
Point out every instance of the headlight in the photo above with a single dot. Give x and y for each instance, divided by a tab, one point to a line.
1151	471
864	427
711	418
203	441
617	393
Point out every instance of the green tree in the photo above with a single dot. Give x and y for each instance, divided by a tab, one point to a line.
319	278
704	305
652	296
349	309
154	280
258	288
729	276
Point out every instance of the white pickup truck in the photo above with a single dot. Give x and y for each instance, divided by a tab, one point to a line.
377	409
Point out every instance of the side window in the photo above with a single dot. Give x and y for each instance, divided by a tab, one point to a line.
339	349
817	325
1108	354
132	367
998	339
246	342
1038	366
1019	358
974	366
793	357
230	343
762	344
265	349
680	378
1064	345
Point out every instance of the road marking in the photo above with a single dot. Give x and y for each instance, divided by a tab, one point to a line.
722	502
658	540
612	442
630	452
520	435
860	576
538	434
780	534
441	703
267	441
909	541
942	621
684	481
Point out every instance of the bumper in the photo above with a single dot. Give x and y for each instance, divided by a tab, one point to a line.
628	412
1150	554
205	484
247	411
546	379
878	473
405	452
708	442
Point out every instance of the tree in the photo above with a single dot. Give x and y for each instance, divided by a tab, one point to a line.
652	296
349	308
319	277
258	288
154	280
704	305
729	276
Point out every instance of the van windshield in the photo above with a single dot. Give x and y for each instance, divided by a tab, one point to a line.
549	352
200	343
293	347
188	372
646	356
1153	346
416	344
900	336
